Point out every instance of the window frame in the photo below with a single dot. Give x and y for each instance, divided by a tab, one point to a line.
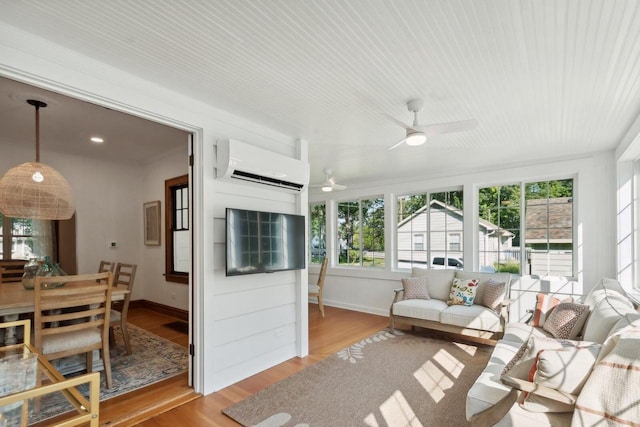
171	275
360	233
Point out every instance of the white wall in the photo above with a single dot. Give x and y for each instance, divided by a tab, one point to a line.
107	205
154	286
37	61
371	290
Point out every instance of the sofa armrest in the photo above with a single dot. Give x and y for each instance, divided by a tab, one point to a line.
493	414
398	292
540	390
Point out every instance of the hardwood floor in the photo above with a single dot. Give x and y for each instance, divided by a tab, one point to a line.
339	329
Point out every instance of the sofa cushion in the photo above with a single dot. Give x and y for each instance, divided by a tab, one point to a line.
521	332
463	292
420	309
566	320
473	317
493	295
415	288
607	307
439	281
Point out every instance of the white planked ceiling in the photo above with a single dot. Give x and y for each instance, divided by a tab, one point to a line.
544	79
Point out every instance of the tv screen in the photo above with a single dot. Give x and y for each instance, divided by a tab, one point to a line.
263	242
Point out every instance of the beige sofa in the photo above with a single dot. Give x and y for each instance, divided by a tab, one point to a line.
495	397
434	313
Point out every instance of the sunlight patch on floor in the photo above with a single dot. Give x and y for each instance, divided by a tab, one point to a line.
450	364
469	349
396	411
435	378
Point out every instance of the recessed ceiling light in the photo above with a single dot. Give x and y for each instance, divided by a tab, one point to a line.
97	139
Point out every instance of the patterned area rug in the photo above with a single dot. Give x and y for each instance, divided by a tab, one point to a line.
152	359
384	380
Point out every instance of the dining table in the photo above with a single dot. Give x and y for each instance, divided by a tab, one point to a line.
16	300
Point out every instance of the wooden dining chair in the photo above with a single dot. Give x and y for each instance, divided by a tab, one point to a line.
106	266
315	290
11	270
74	319
124	277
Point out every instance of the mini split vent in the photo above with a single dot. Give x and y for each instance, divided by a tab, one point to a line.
244	163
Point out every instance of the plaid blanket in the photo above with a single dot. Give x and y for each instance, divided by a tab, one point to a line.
611	395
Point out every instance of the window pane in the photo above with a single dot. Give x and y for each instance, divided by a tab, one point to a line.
412	231
498	228
349	233
437	221
317	234
549	227
373	232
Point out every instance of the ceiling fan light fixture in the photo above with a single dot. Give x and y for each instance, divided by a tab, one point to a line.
416	138
327	188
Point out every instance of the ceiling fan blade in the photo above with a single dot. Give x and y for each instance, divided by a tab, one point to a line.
397	144
440	128
339	187
398	122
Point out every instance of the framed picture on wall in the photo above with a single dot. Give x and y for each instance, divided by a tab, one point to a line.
152	223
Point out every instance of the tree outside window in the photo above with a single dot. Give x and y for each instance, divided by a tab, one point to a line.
361	233
317	232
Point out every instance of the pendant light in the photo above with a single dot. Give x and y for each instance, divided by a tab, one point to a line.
35	190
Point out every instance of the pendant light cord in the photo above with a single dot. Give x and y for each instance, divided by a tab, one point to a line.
37	133
37	104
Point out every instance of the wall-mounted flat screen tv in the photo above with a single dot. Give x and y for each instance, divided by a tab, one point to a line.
263	242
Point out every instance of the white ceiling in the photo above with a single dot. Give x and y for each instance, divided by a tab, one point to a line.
544	79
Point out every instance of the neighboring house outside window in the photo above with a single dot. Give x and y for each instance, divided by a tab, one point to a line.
360	233
542	244
430	233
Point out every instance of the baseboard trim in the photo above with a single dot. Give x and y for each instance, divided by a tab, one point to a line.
161	308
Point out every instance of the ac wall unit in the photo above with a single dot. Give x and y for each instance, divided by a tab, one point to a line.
244	163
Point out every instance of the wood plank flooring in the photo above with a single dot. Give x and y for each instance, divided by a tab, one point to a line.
338	329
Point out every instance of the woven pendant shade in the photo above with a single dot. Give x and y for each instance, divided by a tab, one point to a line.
35	190
23	197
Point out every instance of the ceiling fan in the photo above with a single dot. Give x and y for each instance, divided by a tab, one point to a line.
330	182
417	134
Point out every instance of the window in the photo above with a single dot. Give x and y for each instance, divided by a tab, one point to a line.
418	242
454	242
177	259
429	233
542	243
361	233
317	232
22	238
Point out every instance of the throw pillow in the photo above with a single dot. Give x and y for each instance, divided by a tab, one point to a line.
415	288
463	292
544	306
520	365
493	294
566	320
565	370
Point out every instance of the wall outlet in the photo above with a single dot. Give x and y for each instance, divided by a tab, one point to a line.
112	244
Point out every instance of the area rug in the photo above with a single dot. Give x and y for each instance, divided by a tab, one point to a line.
384	380
152	359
